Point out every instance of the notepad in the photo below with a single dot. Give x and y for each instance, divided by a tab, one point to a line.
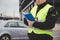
29	16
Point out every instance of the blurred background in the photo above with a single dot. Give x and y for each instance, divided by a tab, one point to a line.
13	10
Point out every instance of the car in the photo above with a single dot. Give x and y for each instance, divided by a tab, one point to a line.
10	30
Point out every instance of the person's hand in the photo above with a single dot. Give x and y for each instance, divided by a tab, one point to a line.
30	23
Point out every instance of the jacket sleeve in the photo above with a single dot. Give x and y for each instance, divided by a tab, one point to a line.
50	20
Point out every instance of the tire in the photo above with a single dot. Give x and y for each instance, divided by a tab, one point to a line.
5	37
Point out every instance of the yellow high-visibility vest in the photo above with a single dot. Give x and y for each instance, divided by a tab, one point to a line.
41	15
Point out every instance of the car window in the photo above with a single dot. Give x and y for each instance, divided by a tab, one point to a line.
11	24
22	25
7	25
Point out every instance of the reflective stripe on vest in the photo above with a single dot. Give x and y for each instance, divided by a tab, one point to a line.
41	15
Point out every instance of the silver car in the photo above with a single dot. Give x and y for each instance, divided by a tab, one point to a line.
13	30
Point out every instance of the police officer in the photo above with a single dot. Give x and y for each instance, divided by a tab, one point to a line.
45	18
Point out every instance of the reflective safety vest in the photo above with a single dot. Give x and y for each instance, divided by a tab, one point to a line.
41	15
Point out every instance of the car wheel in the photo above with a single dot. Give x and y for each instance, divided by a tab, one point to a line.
5	37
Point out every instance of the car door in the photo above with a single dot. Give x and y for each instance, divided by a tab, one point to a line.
24	29
17	30
11	27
